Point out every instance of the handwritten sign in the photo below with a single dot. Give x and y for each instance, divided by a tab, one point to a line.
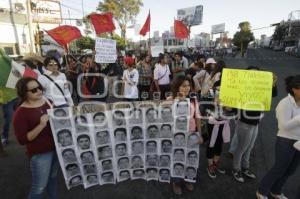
106	51
246	89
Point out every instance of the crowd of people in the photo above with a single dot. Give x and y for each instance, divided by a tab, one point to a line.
170	76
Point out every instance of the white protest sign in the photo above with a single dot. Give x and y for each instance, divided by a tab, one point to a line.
106	51
155	50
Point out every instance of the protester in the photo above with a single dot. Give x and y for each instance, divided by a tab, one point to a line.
35	133
145	77
181	90
162	76
55	84
130	80
178	66
287	158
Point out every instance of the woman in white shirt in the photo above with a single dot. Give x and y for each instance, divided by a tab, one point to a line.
130	80
55	84
162	76
287	158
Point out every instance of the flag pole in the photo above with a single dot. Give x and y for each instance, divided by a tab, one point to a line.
149	45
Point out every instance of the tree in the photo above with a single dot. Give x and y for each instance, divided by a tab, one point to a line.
279	33
243	37
124	11
85	43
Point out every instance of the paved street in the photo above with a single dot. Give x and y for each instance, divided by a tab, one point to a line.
15	174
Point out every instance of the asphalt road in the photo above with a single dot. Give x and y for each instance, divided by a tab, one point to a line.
15	173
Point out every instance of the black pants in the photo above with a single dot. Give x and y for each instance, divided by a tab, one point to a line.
163	90
217	149
142	90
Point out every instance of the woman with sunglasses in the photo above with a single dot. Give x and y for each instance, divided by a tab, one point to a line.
35	133
56	87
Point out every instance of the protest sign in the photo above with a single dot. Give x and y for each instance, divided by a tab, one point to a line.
246	89
156	50
106	50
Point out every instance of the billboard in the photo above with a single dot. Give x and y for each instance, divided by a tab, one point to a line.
191	16
219	28
46	11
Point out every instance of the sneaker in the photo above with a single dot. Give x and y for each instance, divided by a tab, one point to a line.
281	196
259	196
249	173
211	171
238	176
177	189
218	168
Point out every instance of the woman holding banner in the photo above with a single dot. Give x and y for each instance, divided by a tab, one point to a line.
35	133
287	158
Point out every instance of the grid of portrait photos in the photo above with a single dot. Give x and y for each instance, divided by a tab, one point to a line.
145	142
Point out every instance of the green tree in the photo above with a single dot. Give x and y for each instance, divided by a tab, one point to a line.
121	43
124	11
243	37
85	43
279	33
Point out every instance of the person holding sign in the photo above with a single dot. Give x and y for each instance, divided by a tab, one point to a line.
181	88
130	80
162	76
287	158
145	74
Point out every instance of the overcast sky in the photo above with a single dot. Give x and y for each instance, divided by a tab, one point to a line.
260	13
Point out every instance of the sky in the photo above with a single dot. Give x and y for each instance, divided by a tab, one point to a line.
260	13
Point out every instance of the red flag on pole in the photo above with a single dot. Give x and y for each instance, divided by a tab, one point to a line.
102	22
181	31
64	34
146	26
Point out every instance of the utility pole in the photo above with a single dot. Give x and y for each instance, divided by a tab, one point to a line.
29	22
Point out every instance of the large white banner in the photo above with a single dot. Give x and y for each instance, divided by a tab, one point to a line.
219	28
191	16
104	146
46	11
106	50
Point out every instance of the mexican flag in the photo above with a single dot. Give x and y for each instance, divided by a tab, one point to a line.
11	71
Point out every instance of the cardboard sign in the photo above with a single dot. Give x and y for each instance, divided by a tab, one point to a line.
106	51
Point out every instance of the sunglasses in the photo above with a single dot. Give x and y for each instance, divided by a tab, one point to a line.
34	90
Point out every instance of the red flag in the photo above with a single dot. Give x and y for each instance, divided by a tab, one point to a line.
102	22
64	34
146	26
181	31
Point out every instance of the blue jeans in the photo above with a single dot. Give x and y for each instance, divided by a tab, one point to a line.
8	110
44	169
287	159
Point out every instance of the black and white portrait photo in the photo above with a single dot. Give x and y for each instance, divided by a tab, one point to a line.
64	138
178	170
102	137
87	157
152	132
164	175
165	161
104	152
107	165
136	133
92	179
84	142
182	108
166	114
192	158
190	174
107	178
59	113
120	135
179	155
151	115
151	146
69	156
166	146
152	173
166	131
100	119
193	140
123	175
75	181
179	140
118	118
123	163
137	162
61	123
121	150
72	170
89	169
181	123
138	174
152	160
137	148
81	124
136	116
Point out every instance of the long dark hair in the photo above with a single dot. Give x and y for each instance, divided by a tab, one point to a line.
218	67
21	87
177	82
292	82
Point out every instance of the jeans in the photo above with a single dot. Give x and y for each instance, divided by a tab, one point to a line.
44	169
287	159
246	136
8	110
